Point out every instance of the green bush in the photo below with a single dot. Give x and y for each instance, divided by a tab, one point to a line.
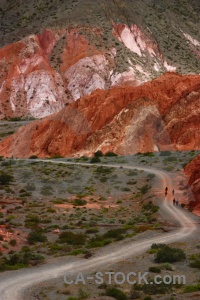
36	236
154	269
144	189
192	288
13	242
168	254
98	153
72	238
114	233
165	153
158	246
91	230
150	207
150	154
79	202
5	178
19	260
33	157
153	288
116	293
195	261
95	160
110	154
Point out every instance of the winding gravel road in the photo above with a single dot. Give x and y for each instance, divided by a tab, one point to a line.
14	283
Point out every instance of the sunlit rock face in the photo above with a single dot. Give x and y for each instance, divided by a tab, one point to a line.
28	84
192	171
162	114
144	45
42	73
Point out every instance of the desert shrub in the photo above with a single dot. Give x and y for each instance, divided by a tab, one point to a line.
154	269
114	233
13	242
95	160
99	153
167	267
103	170
154	288
5	178
168	254
195	261
132	173
150	207
91	230
110	154
31	220
158	246
19	260
36	236
33	157
79	202
72	238
165	153
170	159
56	156
150	154
116	293
98	242
151	176
145	189
192	288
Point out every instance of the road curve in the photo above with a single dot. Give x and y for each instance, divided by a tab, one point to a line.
14	283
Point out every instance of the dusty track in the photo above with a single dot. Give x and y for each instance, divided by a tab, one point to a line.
13	284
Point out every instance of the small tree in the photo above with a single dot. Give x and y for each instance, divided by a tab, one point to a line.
168	254
5	178
110	154
95	160
99	153
36	236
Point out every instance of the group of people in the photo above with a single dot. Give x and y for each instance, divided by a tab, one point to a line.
175	202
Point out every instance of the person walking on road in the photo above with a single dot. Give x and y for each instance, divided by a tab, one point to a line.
166	189
173	192
174	201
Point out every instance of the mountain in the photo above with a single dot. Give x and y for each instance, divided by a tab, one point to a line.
54	52
192	171
158	115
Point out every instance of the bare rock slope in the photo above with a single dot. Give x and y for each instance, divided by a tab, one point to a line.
54	52
158	115
192	171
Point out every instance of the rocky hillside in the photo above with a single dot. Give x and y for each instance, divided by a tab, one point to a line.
158	115
51	56
192	171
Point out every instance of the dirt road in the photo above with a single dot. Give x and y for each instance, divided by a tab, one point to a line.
14	283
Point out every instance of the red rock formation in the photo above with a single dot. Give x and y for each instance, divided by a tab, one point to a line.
192	171
144	45
40	74
28	84
161	114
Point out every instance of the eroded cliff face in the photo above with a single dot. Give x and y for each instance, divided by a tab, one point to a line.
28	84
42	73
142	44
158	115
192	171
